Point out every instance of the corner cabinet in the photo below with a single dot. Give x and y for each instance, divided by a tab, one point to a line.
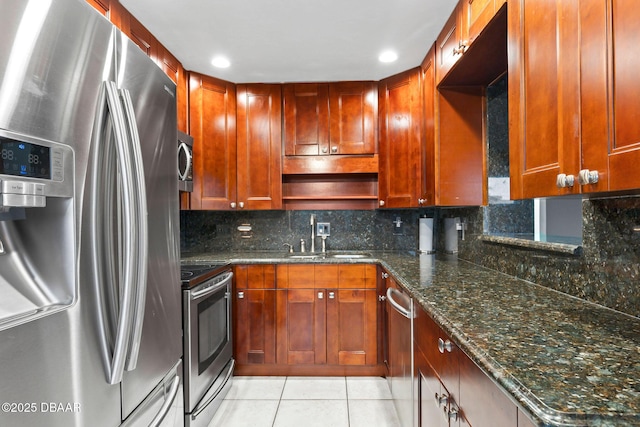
400	122
259	150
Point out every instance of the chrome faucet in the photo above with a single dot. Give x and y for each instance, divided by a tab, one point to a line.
313	233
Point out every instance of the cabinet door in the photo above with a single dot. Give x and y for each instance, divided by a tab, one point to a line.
101	6
352	107
543	96
441	353
173	68
624	156
259	146
428	154
255	326
476	14
352	327
429	398
212	107
610	90
448	44
301	330
400	122
255	314
306	119
139	34
482	402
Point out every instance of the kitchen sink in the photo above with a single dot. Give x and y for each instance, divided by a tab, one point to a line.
350	255
304	256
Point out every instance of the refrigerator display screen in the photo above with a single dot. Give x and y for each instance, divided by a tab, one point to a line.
25	159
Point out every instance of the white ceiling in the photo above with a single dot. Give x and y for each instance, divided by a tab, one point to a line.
294	40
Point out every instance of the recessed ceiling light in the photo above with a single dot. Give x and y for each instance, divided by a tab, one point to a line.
388	56
220	62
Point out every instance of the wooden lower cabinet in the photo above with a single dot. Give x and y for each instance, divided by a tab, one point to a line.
352	327
452	389
254	311
306	319
302	327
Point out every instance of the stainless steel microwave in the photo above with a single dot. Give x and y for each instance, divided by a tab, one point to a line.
185	162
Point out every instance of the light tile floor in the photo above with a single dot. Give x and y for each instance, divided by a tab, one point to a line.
308	402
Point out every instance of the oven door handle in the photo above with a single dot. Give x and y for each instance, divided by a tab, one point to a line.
204	292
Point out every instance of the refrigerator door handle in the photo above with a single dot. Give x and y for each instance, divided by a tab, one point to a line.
117	359
139	209
166	406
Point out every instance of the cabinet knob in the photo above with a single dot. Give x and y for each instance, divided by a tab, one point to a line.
442	400
385	275
451	414
382	298
381	202
325	150
422	201
585	176
233	205
332	295
563	180
240	295
334	149
320	295
241	205
444	346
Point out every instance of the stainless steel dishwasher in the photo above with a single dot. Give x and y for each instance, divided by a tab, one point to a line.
400	315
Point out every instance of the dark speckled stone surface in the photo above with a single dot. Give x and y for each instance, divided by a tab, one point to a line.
565	361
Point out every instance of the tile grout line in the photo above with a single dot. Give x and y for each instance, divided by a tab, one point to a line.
275	416
346	392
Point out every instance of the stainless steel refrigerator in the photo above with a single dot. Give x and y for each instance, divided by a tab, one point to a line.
90	326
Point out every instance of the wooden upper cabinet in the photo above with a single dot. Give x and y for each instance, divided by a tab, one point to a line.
428	155
609	94
306	119
173	68
476	14
400	118
139	34
449	44
329	118
543	96
352	112
212	109
572	92
101	6
259	150
461	147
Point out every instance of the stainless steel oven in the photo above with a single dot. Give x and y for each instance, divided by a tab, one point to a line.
208	347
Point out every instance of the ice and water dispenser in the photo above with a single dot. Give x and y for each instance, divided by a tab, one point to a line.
37	229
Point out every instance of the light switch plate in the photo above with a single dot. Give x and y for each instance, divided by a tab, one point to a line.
323	229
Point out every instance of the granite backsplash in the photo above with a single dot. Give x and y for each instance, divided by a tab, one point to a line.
606	271
207	231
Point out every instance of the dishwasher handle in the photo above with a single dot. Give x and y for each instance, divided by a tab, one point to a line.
406	312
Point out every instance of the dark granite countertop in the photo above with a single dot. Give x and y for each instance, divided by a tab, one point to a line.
565	361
